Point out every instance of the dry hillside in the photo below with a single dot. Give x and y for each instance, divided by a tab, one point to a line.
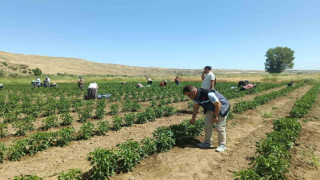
54	65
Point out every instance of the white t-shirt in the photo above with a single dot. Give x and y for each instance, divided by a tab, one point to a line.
48	80
212	98
38	80
93	86
149	79
206	83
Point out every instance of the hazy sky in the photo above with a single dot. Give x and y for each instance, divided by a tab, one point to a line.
164	33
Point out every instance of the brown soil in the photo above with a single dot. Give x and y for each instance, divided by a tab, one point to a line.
49	163
302	165
194	163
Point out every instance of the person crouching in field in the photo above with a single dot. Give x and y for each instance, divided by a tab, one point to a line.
81	83
216	108
92	91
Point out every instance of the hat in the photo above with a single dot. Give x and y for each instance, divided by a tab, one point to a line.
208	67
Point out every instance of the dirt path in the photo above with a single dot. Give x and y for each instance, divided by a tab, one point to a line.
303	166
194	163
52	161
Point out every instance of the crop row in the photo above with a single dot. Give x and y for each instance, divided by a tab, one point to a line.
43	140
262	99
274	157
304	104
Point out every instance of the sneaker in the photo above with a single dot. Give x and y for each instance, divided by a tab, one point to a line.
205	145
221	148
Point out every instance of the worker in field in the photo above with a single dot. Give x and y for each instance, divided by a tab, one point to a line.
177	80
81	83
46	82
164	83
123	83
243	83
38	82
216	108
139	85
291	83
208	78
149	80
92	91
247	87
1	86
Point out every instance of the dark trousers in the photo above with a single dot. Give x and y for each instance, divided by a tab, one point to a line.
92	93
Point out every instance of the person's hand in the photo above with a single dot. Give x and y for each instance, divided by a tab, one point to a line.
192	121
215	120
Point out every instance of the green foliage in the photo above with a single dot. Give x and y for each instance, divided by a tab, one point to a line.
5	63
66	119
49	122
150	114
141	118
2	152
3	130
135	107
24	71
129	119
23	126
100	112
247	174
103	127
305	103
279	59
114	109
184	132
128	155
117	123
85	114
164	139
27	177
103	162
72	174
37	72
86	131
65	136
149	146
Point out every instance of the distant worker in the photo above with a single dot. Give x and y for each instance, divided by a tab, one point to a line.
149	80
208	78
81	83
177	80
243	83
290	84
38	82
46	82
54	85
92	91
122	83
164	83
139	85
1	86
216	108
247	87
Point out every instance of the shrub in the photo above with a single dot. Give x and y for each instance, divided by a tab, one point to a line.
37	72
84	115
129	119
24	71
149	146
86	131
117	123
103	127
39	142
150	114
64	136
135	107
18	150
128	155
23	126
141	118
5	63
72	174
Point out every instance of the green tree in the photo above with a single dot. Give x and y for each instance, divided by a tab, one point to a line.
279	59
37	72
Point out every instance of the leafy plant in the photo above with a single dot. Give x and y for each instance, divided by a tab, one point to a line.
86	131
141	118
66	119
49	122
164	139
103	127
3	130
27	177
117	123
72	174
2	152
128	155
129	119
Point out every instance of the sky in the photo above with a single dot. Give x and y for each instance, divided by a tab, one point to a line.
164	33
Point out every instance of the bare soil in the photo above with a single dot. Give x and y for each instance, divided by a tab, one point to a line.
194	163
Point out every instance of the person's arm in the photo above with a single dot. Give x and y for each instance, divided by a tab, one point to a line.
216	112
196	107
202	76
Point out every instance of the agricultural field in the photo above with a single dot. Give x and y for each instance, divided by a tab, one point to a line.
54	133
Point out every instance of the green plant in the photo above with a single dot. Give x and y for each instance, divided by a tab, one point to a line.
267	115
114	109
141	118
2	152
66	119
169	111
3	130
135	107
24	71
23	126
164	139
84	115
37	72
247	174
150	114
128	155
27	177
5	63
149	146
72	174
315	161
64	136
86	131
104	163
129	119
49	122
103	127
117	123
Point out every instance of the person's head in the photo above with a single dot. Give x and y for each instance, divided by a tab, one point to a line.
207	69
165	81
80	77
190	91
254	85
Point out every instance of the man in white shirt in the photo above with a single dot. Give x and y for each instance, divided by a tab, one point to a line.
38	81
92	91
208	78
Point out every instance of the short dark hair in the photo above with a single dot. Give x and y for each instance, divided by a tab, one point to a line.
188	88
208	67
